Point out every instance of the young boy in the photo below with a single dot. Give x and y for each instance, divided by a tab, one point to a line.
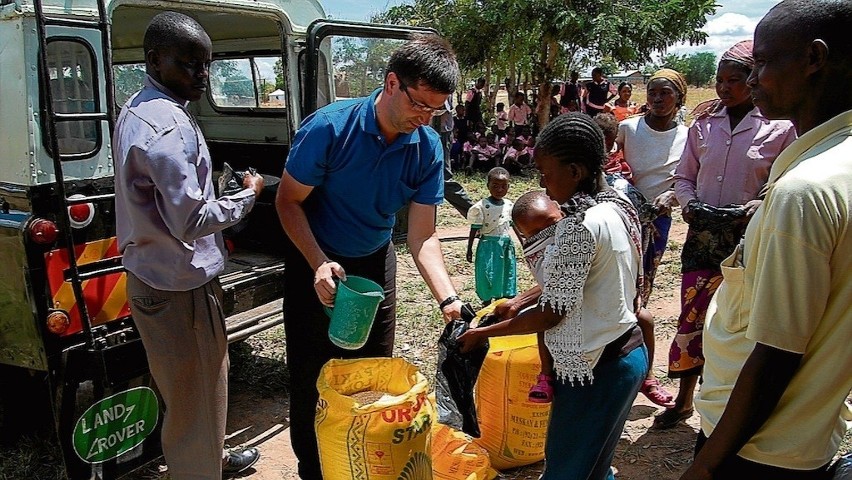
491	220
535	216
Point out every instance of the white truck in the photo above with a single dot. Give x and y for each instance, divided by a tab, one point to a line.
69	352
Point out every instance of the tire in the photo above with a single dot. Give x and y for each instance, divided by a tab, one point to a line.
23	391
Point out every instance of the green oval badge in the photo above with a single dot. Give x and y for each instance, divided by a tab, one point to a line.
116	424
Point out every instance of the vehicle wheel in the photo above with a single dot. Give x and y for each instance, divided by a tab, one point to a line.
24	403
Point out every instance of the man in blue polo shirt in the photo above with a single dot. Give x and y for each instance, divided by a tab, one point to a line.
352	166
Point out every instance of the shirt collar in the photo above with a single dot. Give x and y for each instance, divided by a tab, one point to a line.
370	124
150	82
753	119
839	125
723	112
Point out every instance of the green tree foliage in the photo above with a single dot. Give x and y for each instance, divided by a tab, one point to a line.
698	68
546	37
128	80
278	70
701	67
234	82
359	64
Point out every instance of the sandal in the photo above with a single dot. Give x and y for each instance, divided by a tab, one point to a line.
542	392
671	417
652	389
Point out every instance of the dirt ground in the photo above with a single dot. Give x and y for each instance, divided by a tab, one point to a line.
258	418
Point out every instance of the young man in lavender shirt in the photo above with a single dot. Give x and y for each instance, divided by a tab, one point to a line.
169	225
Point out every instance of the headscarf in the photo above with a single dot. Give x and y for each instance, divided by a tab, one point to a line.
673	76
740	53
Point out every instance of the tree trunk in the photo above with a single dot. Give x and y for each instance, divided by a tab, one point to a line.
549	50
489	98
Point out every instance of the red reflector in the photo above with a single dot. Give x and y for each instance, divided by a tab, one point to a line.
79	213
58	322
43	231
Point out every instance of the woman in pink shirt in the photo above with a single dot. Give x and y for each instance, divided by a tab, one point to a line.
729	151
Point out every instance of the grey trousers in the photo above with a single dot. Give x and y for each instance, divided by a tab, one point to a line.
187	349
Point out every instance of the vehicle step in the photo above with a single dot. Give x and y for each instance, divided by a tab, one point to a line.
245	324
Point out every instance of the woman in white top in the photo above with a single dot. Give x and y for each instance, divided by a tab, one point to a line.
586	303
652	145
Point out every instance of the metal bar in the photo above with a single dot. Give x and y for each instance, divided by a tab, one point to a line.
243	334
51	118
80	116
100	272
90	198
109	80
251	320
67	157
67	22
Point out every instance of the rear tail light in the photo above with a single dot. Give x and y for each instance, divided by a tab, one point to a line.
43	231
58	322
81	215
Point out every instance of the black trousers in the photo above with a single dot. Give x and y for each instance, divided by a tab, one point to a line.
739	467
454	192
308	346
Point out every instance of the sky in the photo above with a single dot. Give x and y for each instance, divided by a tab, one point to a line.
732	22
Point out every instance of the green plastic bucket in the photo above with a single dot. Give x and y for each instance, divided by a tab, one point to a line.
355	305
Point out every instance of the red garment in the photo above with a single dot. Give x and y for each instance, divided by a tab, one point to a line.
615	164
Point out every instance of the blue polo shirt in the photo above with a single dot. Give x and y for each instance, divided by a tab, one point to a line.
359	181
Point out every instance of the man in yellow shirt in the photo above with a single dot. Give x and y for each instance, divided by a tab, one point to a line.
776	340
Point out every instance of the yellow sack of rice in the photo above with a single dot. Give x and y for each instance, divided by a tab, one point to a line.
513	428
373	420
456	457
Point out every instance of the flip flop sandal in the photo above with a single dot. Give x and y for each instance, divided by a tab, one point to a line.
671	418
652	389
542	392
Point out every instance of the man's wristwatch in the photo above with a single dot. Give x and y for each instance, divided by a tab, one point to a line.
447	301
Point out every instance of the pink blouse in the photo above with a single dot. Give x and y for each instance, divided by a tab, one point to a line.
720	167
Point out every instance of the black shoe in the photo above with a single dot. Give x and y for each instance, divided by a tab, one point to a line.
671	417
238	461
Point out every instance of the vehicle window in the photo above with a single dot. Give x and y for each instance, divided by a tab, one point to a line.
254	82
128	79
323	86
359	64
73	84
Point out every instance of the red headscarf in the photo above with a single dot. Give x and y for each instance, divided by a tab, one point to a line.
739	53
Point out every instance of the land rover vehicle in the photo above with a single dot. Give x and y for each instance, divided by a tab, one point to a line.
67	337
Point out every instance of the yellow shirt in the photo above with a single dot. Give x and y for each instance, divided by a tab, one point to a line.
793	293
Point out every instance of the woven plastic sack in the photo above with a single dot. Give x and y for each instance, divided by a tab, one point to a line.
388	438
456	457
513	429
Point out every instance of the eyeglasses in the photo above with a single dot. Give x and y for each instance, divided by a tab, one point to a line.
420	107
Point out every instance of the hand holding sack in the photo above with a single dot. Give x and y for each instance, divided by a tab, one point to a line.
456	376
